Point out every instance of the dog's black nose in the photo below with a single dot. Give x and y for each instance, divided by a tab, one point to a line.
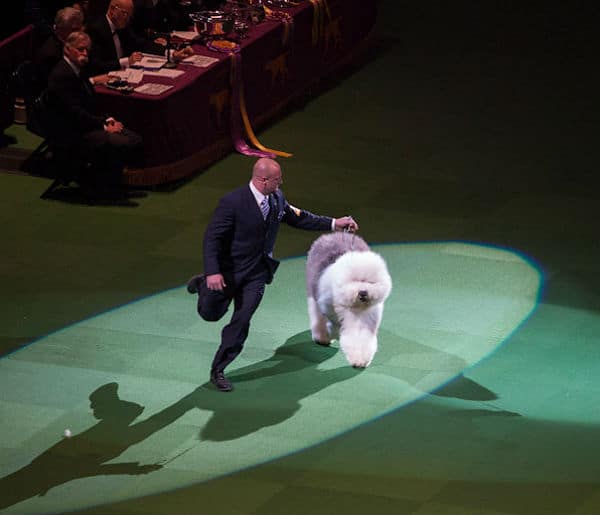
363	295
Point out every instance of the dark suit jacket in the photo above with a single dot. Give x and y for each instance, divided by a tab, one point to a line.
71	103
46	57
103	55
237	238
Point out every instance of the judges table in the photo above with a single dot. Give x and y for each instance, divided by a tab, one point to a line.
189	126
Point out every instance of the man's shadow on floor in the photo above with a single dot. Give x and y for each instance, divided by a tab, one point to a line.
74	194
87	453
268	393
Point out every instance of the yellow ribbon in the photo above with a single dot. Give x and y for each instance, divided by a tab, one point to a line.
251	136
285	18
321	9
285	39
316	24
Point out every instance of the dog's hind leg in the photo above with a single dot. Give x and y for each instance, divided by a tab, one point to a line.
318	323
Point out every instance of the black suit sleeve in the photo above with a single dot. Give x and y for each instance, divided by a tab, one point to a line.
300	218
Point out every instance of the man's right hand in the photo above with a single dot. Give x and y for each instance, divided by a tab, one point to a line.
135	57
215	282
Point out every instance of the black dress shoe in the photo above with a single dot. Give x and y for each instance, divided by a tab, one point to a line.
193	285
221	382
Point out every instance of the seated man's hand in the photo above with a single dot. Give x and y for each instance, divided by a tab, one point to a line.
113	126
135	57
180	55
102	79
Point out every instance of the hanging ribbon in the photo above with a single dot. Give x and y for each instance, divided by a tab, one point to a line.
320	10
316	24
287	20
250	132
236	98
238	105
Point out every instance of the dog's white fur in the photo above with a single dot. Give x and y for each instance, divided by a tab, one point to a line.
347	285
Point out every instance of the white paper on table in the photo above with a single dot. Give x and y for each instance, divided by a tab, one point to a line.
131	75
150	62
165	72
200	60
186	35
152	88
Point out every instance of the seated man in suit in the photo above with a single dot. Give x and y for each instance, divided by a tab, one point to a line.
73	120
114	43
67	20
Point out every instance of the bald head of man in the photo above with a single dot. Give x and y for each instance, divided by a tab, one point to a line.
266	175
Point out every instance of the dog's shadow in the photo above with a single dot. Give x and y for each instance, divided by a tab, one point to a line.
269	392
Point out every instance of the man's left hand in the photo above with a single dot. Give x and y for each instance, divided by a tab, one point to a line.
346	223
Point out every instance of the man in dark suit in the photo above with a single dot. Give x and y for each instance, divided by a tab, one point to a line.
238	256
73	120
67	20
115	45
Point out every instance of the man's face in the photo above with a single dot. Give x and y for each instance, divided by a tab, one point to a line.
120	14
78	52
272	182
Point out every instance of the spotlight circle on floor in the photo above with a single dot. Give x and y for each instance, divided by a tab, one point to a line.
130	384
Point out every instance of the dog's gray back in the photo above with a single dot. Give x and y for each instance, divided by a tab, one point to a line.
324	251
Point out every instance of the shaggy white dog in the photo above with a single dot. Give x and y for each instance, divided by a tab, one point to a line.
347	285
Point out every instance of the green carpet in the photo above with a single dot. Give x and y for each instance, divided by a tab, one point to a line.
469	122
452	305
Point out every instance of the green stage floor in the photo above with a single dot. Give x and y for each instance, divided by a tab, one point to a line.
465	146
125	383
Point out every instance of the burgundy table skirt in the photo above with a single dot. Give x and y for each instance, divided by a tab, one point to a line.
188	127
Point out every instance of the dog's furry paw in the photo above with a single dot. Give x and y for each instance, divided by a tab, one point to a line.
323	344
360	363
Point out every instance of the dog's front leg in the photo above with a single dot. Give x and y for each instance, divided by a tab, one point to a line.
318	323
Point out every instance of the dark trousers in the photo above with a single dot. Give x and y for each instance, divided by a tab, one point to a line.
109	153
212	306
